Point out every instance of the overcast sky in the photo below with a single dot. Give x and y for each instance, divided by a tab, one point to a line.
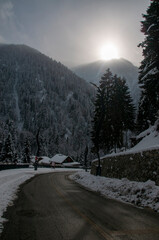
73	31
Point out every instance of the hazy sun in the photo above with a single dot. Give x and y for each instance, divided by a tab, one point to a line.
109	52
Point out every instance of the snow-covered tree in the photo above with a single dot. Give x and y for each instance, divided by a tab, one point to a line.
149	69
8	154
8	139
26	152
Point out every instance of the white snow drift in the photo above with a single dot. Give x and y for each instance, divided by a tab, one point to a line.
145	194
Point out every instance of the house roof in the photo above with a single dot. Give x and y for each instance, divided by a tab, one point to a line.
45	159
58	158
72	164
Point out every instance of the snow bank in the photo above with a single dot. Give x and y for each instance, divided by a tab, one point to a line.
150	141
145	194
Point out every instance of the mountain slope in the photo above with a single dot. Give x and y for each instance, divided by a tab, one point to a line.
40	94
92	72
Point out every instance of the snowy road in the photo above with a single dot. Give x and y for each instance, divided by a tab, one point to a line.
51	206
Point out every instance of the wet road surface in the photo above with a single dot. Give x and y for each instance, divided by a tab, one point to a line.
52	207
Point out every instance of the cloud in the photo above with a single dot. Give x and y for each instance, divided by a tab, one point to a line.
2	40
6	11
11	28
73	31
6	19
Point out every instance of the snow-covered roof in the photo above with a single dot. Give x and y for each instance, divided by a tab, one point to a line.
72	164
58	158
45	160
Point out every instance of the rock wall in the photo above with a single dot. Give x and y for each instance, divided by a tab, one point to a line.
140	166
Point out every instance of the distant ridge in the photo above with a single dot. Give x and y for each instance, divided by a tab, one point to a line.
93	71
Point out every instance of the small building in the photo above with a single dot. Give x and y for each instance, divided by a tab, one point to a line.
44	159
64	161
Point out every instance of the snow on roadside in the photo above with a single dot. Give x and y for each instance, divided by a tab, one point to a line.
139	193
9	184
143	194
150	141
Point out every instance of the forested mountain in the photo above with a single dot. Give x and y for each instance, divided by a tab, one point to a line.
92	72
42	97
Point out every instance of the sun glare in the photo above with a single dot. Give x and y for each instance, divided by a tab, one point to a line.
109	52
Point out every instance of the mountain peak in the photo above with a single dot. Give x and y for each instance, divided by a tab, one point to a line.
93	71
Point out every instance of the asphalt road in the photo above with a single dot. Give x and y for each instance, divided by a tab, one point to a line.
52	207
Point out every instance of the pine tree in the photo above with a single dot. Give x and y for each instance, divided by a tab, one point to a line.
149	69
85	158
98	120
107	85
114	113
26	151
122	111
8	151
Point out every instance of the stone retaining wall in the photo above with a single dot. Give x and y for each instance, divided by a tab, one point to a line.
140	166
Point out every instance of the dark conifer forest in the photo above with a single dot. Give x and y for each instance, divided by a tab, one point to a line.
42	95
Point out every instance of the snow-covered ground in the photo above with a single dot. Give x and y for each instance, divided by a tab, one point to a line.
144	194
149	141
10	181
138	193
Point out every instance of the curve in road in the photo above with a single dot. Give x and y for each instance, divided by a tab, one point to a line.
52	207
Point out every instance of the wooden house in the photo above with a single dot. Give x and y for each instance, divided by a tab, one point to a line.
64	161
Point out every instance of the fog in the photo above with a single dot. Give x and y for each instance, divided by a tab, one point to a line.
73	31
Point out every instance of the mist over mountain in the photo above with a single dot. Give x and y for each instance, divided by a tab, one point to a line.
92	72
39	94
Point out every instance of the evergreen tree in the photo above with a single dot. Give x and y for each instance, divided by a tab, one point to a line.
26	151
8	151
98	120
114	113
149	69
107	86
85	158
122	111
